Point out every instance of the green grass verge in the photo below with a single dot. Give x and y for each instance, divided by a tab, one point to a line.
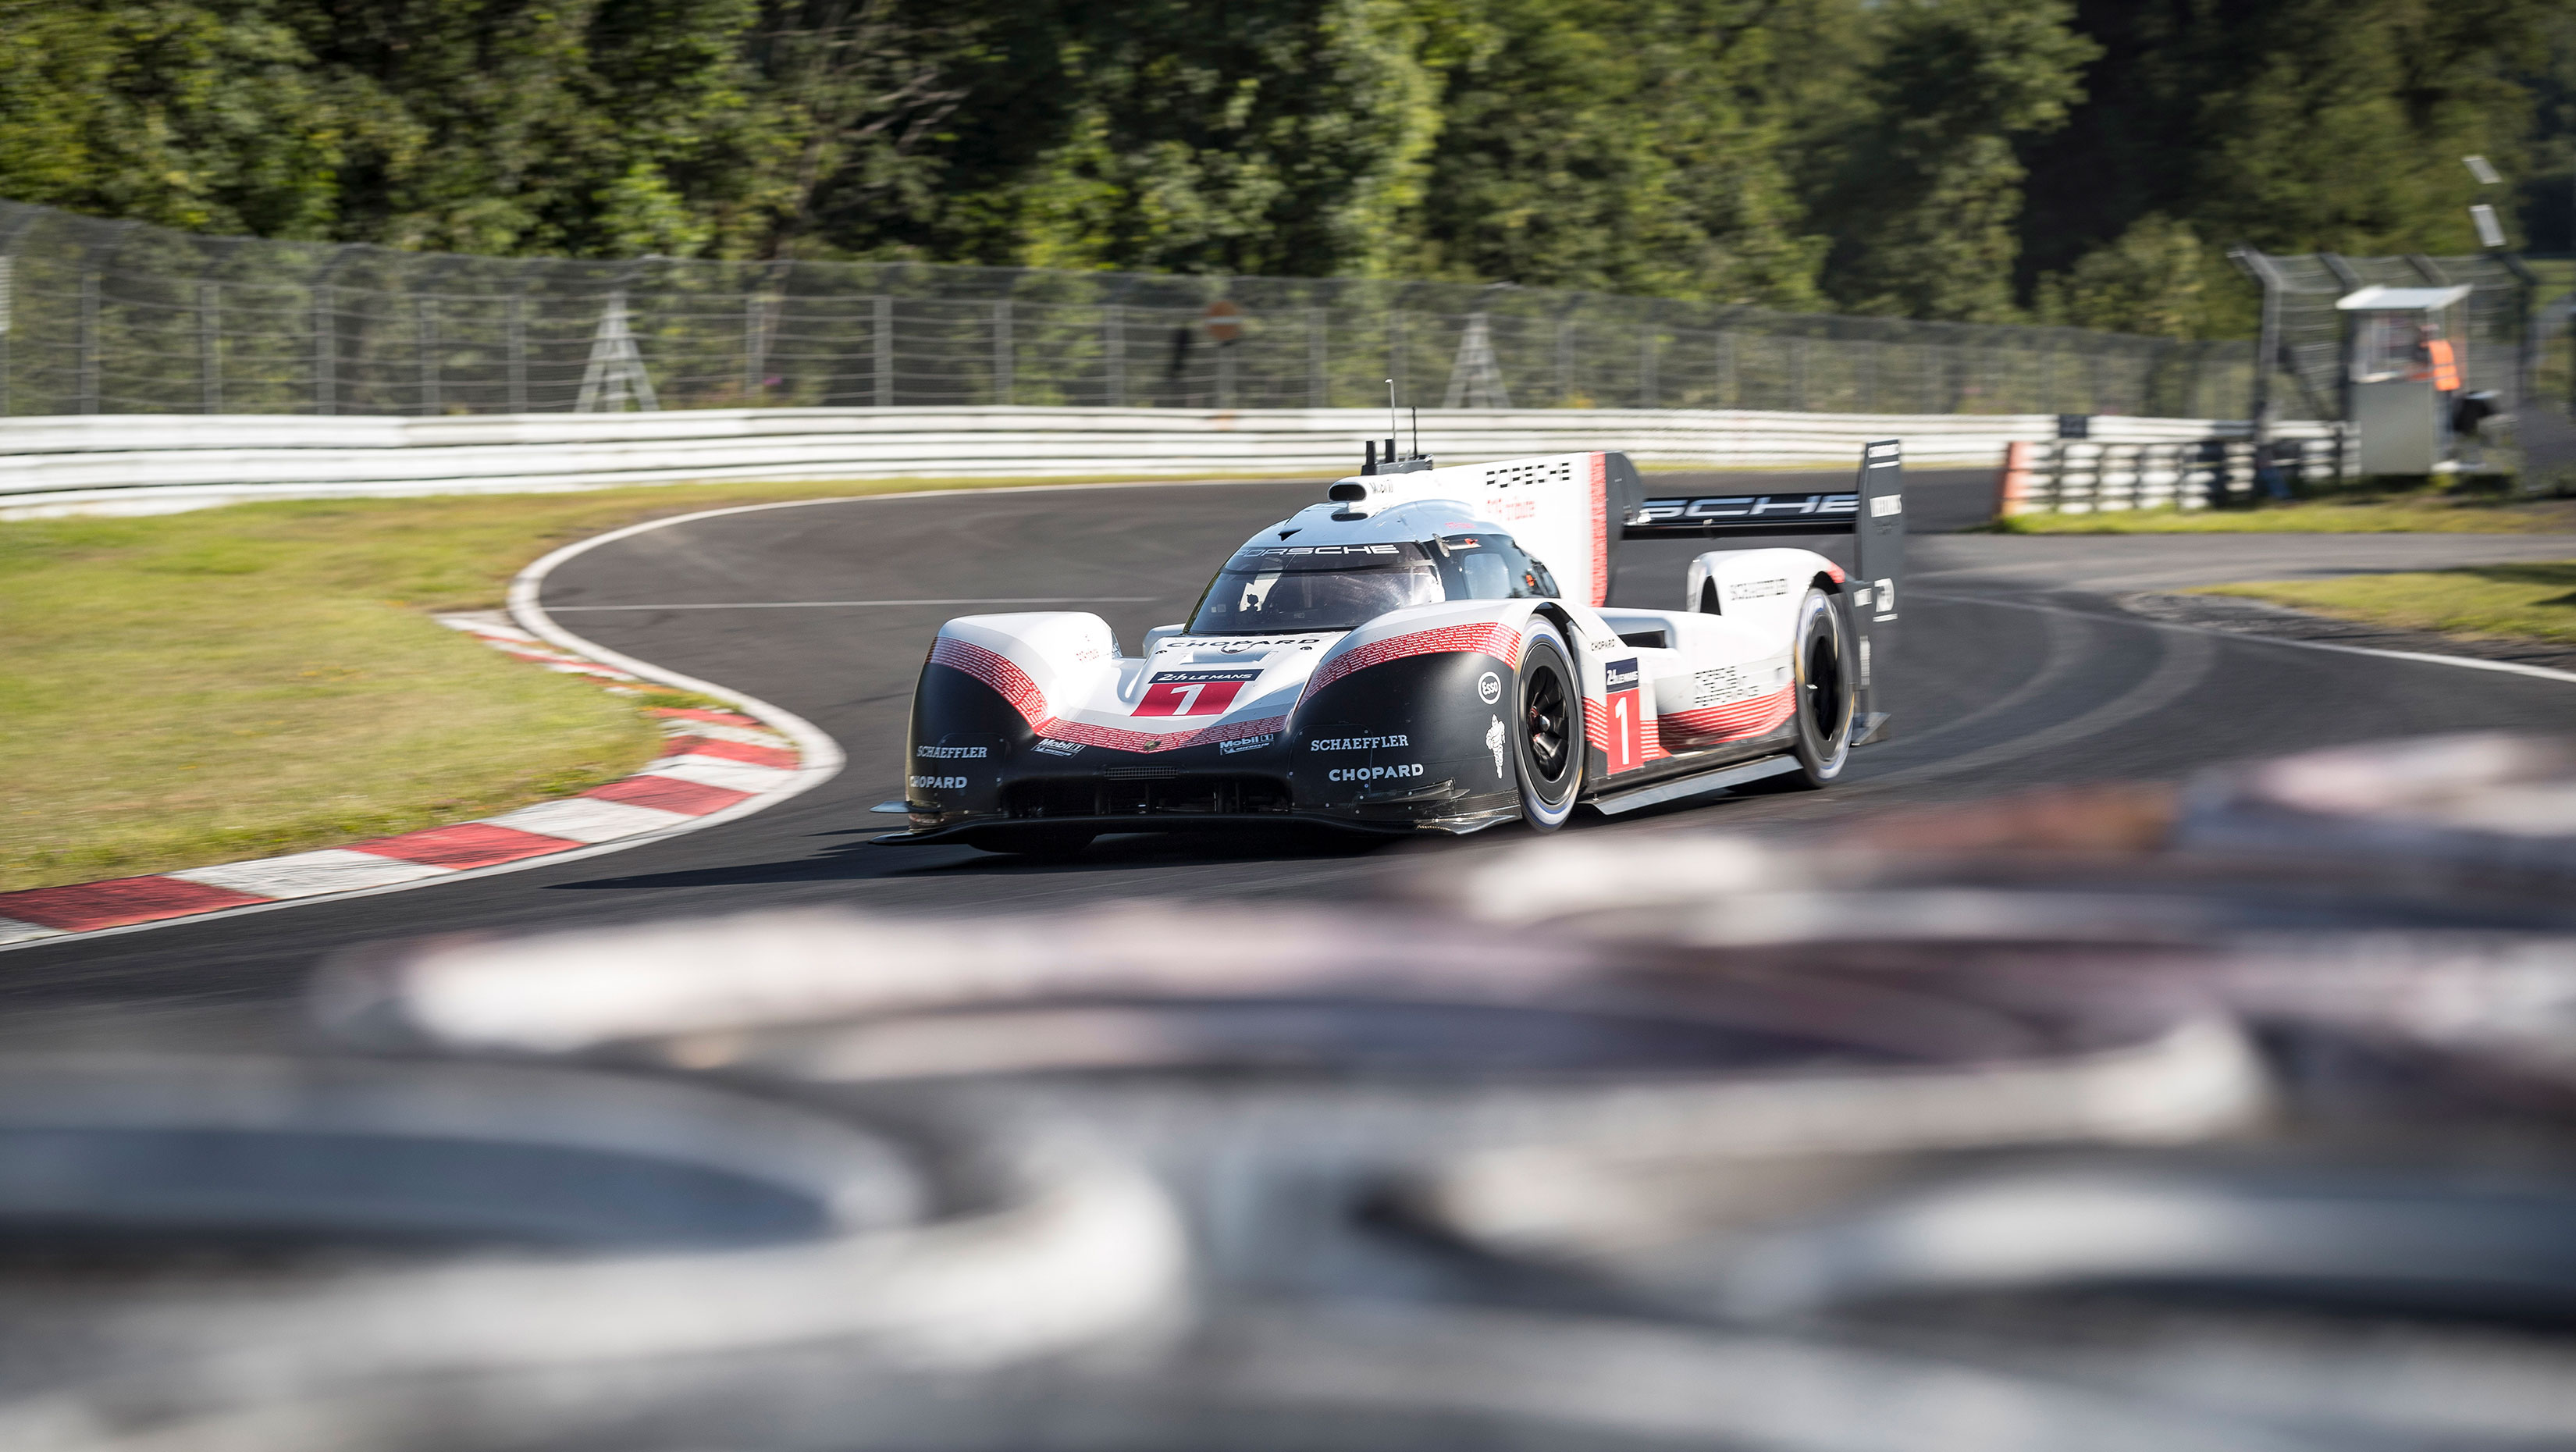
2527	602
186	689
2399	512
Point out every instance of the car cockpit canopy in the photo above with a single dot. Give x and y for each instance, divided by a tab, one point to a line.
1279	584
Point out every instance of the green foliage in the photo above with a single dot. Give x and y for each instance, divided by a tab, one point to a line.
2084	161
2292	125
1623	145
205	116
1931	188
1262	136
2153	280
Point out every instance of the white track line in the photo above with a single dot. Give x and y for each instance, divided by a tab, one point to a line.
2466	662
842	604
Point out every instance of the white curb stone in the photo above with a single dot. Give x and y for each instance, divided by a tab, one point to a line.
715	771
588	819
304	874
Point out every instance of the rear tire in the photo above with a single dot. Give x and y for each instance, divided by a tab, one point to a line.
1547	729
1821	653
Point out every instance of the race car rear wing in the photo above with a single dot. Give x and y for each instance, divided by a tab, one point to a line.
1872	511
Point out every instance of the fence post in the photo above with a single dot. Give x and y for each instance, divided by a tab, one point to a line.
1318	393
326	337
425	335
87	374
751	348
882	330
210	362
9	292
1646	389
1113	354
516	349
1395	352
1002	350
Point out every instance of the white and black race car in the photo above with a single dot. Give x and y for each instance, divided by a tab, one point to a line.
1428	650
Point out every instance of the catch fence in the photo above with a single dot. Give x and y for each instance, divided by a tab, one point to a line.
101	317
2304	333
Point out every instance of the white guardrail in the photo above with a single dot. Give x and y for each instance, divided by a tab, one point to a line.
161	463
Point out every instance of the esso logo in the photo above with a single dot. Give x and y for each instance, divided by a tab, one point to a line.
1489	688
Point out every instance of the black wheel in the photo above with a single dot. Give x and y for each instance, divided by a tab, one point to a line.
1825	680
1547	731
1040	842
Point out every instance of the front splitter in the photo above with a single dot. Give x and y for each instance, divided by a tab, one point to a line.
1177	822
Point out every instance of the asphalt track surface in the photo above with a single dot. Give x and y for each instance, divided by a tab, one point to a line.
2016	669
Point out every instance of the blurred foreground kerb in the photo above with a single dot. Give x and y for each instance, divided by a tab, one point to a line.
2237	1114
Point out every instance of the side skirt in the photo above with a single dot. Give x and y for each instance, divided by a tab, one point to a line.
1661	792
1174	822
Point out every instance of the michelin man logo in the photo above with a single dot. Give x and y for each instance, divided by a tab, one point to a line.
1494	744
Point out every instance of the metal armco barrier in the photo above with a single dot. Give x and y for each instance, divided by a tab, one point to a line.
158	463
2083	476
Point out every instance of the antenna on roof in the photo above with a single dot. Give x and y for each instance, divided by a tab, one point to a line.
1391	429
1417	431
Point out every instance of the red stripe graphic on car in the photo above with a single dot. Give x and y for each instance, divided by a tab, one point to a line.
1490	638
1115	738
1600	529
1734	720
993	670
1014	686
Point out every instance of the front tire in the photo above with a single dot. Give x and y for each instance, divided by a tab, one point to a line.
1547	729
1824	689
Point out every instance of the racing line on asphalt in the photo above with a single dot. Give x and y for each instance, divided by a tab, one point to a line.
2015	670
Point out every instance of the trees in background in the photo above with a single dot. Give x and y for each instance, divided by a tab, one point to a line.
2078	161
2293	125
1925	203
1632	146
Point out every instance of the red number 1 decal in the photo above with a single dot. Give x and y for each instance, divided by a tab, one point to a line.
1626	752
1622	680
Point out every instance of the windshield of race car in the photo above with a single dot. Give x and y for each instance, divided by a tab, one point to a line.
1270	588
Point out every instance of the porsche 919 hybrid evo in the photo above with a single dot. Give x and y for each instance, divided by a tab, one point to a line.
1429	650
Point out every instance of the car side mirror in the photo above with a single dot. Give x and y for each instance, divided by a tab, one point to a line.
1157	636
